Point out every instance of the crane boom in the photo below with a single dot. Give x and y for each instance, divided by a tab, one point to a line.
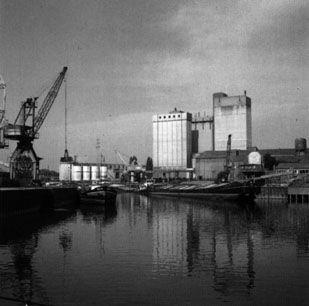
48	102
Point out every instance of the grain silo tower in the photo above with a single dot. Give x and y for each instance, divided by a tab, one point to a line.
232	115
172	144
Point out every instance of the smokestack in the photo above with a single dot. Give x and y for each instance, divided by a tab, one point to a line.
245	92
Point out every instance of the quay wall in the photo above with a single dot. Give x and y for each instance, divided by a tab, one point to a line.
19	201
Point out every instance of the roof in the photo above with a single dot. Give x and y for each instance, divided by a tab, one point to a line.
299	165
236	155
281	155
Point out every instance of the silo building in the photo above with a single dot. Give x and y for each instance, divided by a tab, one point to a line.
232	115
172	142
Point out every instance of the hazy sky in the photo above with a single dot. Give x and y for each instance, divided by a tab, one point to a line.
129	59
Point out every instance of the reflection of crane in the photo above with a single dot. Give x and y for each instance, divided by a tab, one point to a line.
24	163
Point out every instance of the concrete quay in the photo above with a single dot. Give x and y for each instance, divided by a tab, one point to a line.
20	201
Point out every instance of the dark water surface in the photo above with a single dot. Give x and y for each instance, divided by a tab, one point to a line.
158	251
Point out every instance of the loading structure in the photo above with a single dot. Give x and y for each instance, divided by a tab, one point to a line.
24	162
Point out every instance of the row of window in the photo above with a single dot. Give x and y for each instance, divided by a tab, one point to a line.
169	116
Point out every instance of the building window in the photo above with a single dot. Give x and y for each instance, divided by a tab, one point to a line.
164	117
178	116
159	117
169	116
173	116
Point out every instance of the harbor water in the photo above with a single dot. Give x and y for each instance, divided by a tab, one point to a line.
158	251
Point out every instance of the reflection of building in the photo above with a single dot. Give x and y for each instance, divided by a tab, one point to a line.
169	241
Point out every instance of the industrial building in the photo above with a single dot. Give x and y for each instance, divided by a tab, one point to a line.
177	136
232	115
208	164
89	172
172	141
202	133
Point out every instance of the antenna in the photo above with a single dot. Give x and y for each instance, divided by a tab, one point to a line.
65	117
98	148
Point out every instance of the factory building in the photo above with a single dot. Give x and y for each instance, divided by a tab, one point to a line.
202	133
172	143
232	115
177	136
208	164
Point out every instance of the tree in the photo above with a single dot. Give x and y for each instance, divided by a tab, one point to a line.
269	162
149	164
133	160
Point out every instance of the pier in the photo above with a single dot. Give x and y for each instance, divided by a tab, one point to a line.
20	201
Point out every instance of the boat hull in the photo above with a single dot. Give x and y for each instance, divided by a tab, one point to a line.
227	191
99	196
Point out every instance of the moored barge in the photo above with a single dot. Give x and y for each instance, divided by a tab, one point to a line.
99	195
239	191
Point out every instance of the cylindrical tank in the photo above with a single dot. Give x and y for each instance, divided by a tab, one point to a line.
94	173
103	172
254	158
65	172
76	173
132	176
86	173
300	144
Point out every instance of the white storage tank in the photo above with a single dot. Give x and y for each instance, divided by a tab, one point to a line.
103	172
94	173
255	158
65	172
86	173
76	173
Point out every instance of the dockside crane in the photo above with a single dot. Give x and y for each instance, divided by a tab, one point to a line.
24	163
3	142
224	176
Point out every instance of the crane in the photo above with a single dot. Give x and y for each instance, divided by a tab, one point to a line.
3	142
132	166
24	163
228	152
224	176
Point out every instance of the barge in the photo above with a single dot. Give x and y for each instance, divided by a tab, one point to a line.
239	191
99	195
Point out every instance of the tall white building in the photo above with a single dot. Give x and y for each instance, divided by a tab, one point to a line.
172	142
232	115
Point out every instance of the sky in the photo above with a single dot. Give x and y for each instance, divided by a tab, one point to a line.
130	59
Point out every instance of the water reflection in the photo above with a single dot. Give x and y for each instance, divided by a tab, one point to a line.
20	235
100	215
200	239
143	248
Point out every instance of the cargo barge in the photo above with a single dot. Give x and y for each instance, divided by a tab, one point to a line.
99	195
239	191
